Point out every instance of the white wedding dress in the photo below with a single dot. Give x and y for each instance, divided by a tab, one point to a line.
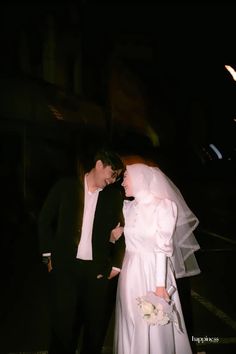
148	230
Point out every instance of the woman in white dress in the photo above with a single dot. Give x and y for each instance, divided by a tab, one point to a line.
160	247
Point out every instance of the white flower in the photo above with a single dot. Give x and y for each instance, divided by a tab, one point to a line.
151	319
161	317
147	307
153	315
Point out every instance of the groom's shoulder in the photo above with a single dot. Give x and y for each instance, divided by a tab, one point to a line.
65	183
112	190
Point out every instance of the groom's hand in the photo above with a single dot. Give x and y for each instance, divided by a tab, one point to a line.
49	266
113	273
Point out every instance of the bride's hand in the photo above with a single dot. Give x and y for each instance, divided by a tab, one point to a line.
162	292
116	233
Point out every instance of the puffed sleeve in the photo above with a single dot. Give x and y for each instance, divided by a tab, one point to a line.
166	221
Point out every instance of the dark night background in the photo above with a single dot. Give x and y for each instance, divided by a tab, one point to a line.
146	79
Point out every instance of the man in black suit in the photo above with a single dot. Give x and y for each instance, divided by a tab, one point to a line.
75	226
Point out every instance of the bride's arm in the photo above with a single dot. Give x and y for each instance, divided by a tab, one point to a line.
161	262
166	221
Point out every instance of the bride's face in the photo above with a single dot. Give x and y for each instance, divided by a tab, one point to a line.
127	185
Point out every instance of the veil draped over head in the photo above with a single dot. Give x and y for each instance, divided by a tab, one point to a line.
149	183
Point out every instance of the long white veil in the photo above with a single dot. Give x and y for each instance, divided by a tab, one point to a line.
155	182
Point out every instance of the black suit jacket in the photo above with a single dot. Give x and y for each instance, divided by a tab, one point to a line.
60	222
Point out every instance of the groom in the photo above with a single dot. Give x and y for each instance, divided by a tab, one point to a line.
75	227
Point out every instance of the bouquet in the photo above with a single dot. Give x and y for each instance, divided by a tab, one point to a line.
157	311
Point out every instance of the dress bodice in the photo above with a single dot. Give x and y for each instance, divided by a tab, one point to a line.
149	226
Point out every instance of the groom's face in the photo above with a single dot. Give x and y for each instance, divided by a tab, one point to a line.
105	175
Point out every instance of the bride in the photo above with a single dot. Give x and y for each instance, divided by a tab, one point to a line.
160	247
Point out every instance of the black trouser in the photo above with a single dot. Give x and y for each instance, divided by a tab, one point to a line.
79	298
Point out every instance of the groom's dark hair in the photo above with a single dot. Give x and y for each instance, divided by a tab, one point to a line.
109	158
